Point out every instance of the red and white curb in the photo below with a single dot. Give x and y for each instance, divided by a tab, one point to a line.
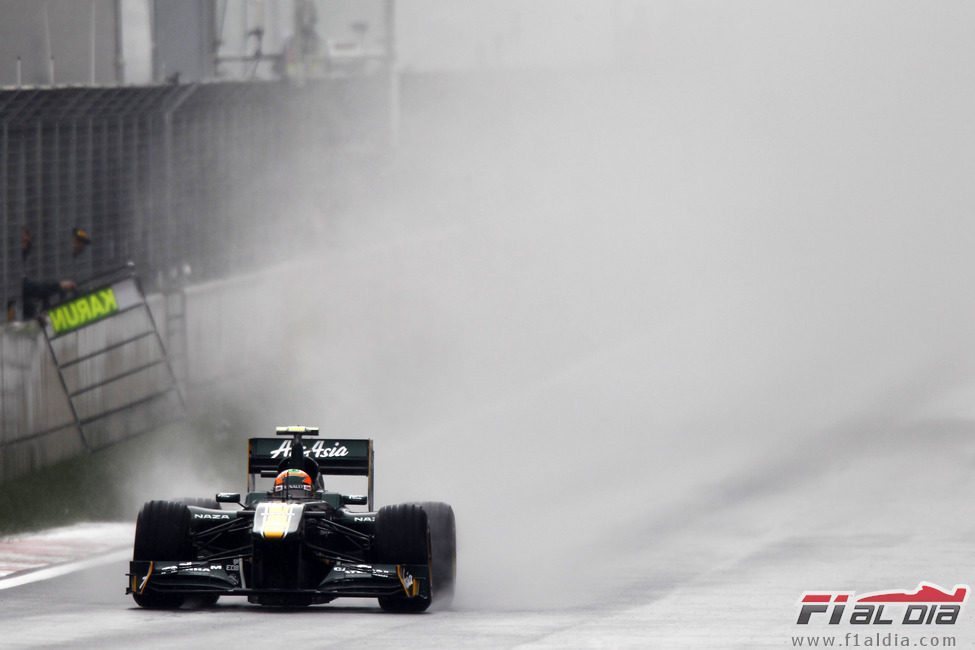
31	557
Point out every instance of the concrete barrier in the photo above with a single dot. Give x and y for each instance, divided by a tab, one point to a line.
226	329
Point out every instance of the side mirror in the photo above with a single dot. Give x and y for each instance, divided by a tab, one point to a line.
228	497
354	500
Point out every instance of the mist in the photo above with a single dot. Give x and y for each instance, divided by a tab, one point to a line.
579	303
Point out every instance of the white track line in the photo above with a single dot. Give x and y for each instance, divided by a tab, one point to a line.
30	576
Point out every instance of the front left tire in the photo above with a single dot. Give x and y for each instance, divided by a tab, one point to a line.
403	537
162	532
443	551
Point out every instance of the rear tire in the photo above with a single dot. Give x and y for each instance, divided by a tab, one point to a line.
162	532
403	537
443	551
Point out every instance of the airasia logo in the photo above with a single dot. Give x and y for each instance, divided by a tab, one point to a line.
928	604
318	450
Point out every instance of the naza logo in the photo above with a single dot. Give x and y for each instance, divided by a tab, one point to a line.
928	604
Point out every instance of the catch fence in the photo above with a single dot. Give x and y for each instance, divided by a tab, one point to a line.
174	178
189	182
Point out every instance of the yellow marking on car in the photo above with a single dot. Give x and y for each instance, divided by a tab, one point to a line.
145	581
410	585
277	520
296	429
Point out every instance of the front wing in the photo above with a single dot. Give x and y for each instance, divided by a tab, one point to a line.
346	579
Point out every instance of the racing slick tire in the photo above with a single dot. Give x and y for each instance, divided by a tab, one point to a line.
443	551
403	537
162	533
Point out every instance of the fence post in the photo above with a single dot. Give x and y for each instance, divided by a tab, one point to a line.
8	231
56	188
168	165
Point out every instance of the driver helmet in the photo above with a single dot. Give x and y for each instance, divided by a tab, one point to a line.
293	484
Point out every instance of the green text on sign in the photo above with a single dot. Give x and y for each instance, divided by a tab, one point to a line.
81	311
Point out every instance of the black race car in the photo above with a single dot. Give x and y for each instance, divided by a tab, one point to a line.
298	543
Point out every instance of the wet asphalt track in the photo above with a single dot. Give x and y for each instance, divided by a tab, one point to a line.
724	570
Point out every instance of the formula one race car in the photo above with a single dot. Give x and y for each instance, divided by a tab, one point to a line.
298	543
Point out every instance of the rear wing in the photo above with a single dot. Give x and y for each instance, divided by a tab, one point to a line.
334	456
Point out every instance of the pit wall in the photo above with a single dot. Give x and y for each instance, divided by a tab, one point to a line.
227	331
